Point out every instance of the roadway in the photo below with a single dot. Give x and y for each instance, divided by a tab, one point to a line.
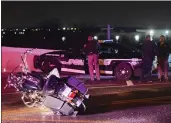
146	110
143	103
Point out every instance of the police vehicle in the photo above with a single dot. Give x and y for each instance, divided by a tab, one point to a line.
114	59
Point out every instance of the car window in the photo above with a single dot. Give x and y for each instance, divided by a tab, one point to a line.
115	50
107	51
123	50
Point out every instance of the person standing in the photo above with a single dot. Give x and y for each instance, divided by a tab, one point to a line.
162	58
148	55
92	51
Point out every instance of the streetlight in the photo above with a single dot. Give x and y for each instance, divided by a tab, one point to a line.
137	37
117	37
167	32
151	34
64	28
95	37
63	38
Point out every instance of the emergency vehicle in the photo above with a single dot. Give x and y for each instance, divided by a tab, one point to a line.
115	59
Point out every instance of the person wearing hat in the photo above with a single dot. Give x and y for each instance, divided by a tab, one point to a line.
148	55
162	58
92	50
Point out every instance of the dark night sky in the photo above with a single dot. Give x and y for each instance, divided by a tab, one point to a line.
26	14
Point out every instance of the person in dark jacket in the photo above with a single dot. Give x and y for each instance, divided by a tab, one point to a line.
148	55
162	58
92	50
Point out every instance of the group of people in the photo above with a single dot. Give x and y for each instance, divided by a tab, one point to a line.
149	51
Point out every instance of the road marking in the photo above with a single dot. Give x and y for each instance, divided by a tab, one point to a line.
105	72
129	83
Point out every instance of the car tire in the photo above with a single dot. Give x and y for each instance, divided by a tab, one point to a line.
123	71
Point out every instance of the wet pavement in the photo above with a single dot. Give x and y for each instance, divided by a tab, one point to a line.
143	111
140	103
106	105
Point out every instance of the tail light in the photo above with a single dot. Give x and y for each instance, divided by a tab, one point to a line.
73	94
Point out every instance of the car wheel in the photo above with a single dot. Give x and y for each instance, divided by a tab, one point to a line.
123	71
